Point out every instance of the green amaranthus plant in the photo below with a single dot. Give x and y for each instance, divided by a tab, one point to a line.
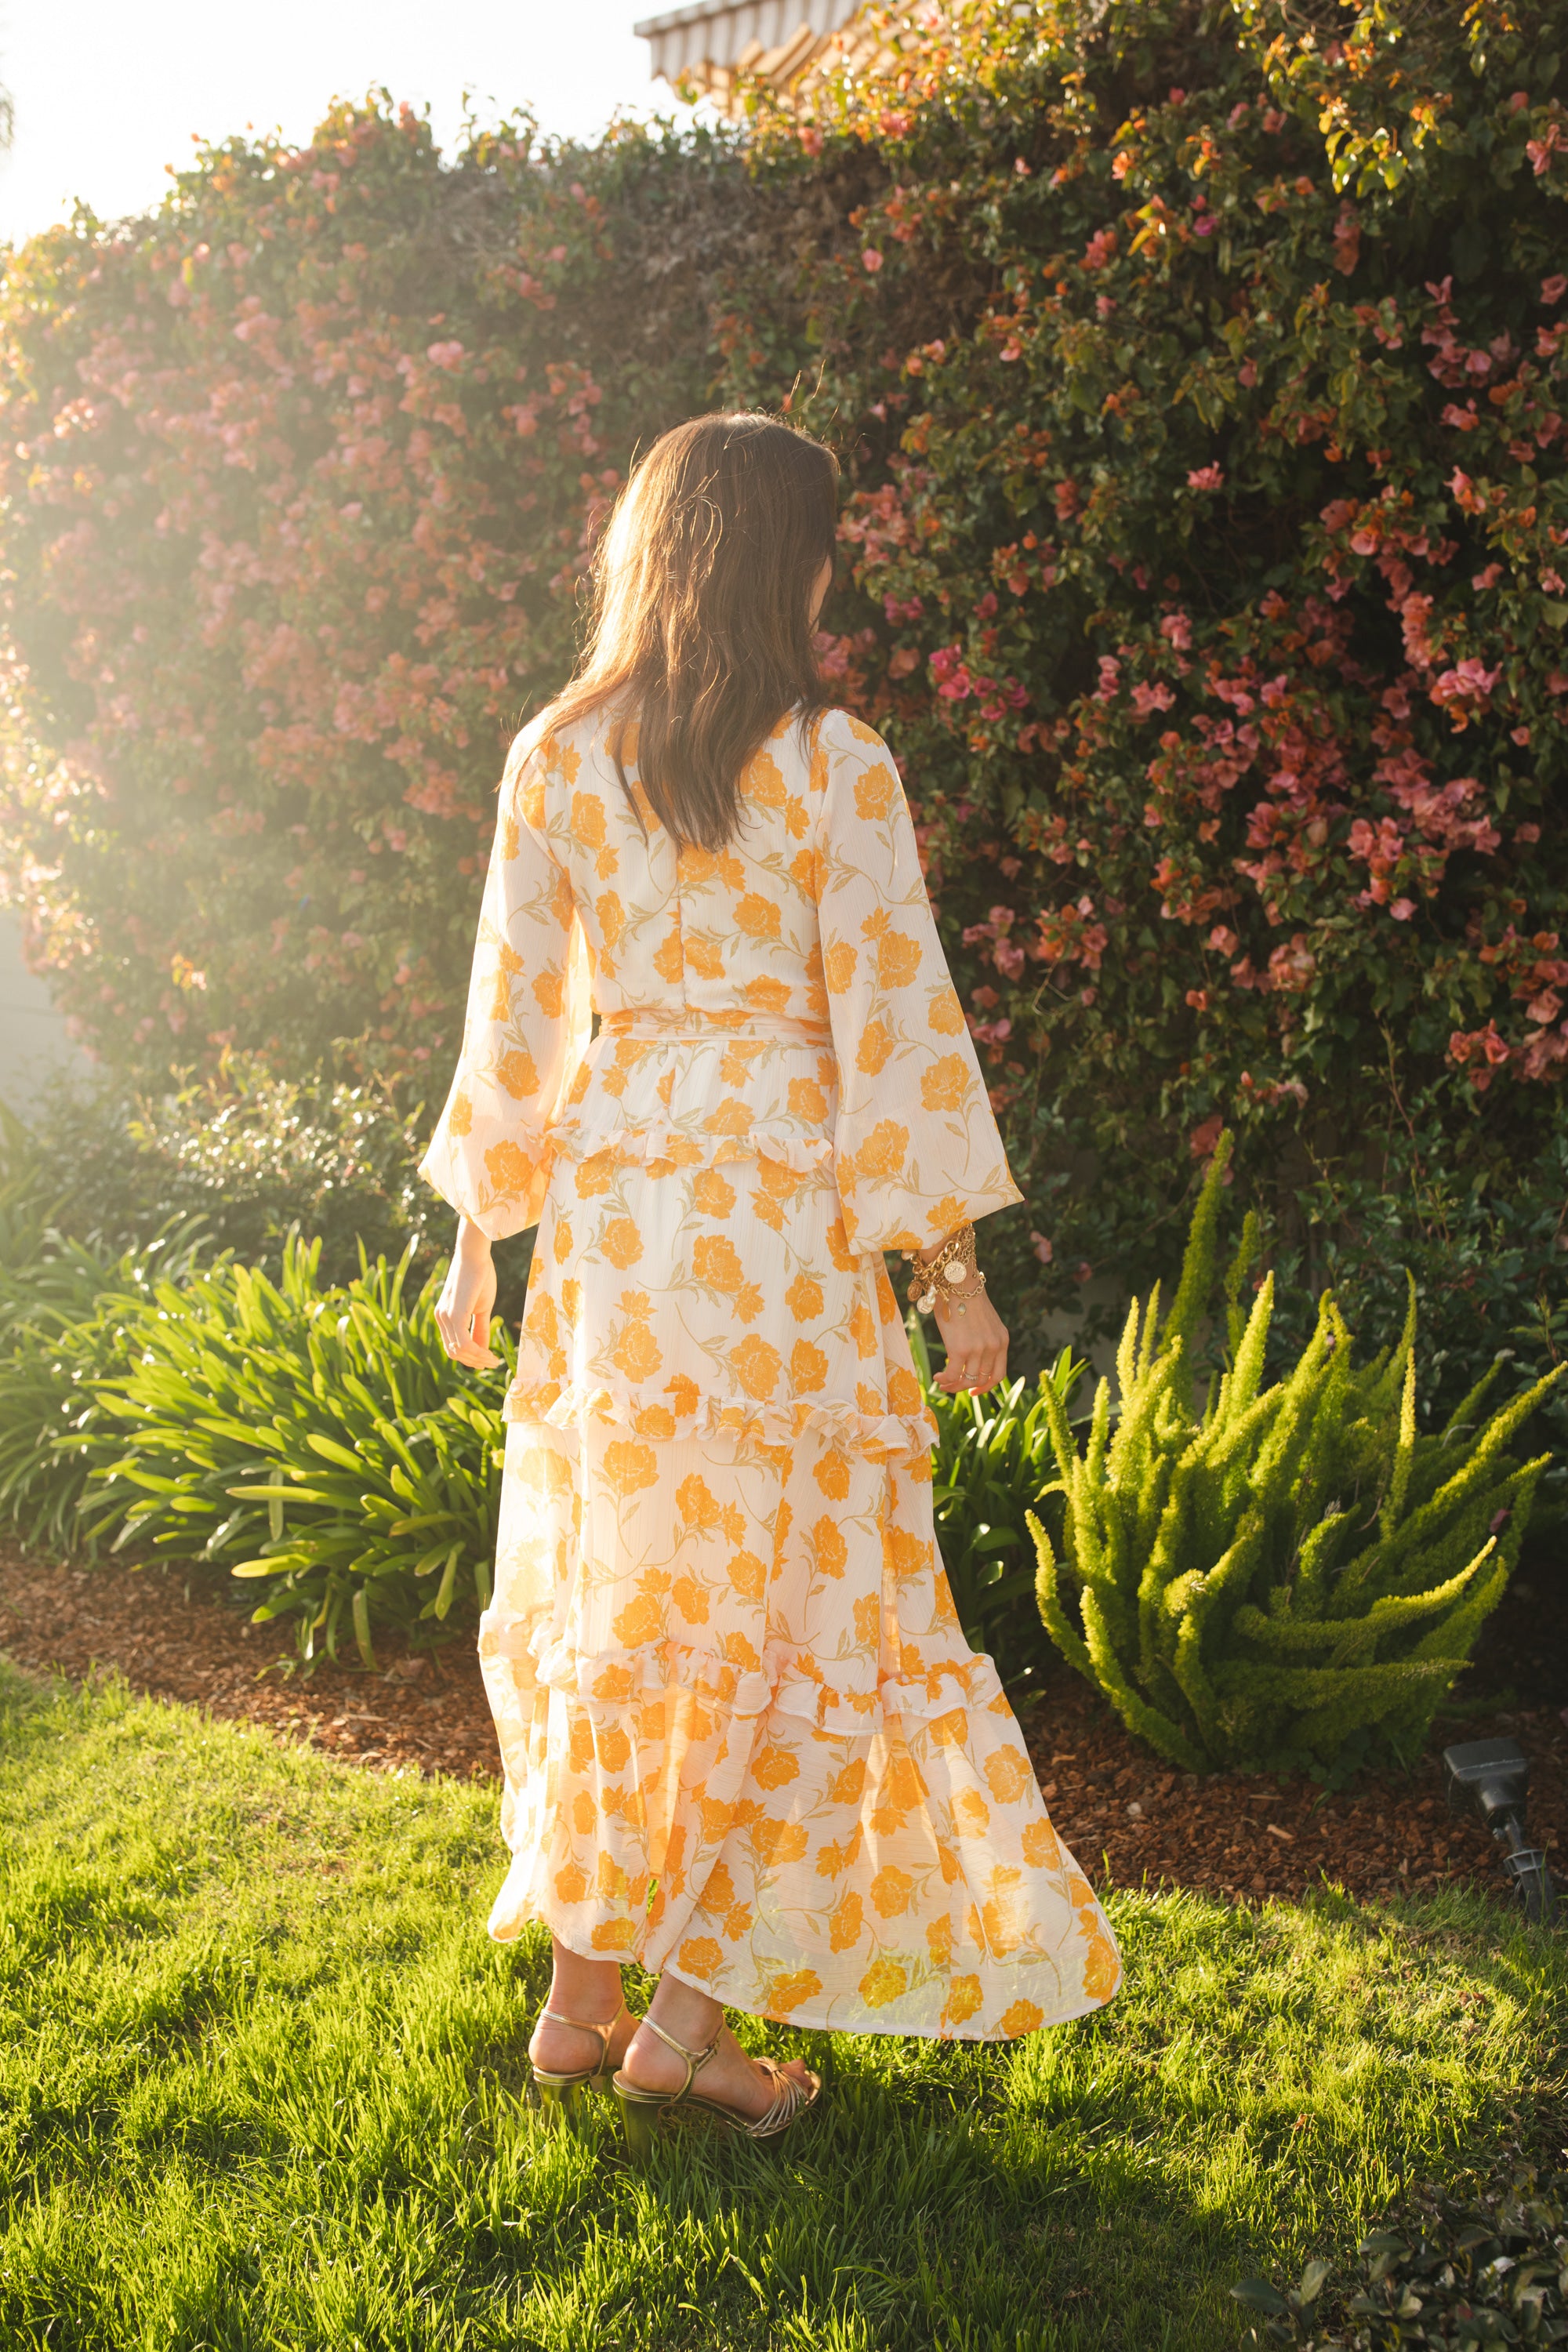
1269	1576
304	1434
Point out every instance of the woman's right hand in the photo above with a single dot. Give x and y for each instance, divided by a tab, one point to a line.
468	1300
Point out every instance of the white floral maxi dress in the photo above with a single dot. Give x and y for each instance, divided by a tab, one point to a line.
743	1736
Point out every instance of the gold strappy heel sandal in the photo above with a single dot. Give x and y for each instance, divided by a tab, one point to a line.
559	2092
641	2109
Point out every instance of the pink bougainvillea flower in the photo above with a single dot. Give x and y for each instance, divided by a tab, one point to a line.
1206	477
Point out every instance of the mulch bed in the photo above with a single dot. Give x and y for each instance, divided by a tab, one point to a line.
1128	1817
174	1633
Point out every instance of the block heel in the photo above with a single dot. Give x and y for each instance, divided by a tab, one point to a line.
563	2098
637	2118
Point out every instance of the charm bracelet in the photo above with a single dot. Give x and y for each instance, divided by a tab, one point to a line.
954	1266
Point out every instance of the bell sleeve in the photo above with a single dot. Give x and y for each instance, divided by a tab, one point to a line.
916	1150
529	1017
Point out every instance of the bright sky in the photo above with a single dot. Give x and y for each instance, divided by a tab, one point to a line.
107	94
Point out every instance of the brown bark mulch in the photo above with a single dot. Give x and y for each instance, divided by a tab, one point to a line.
1128	1817
173	1632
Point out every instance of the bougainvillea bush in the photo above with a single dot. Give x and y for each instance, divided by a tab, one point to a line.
1198	374
1218	556
298	477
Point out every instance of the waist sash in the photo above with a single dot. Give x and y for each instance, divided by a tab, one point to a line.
689	1028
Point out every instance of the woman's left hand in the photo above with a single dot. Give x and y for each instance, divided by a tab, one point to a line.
976	1344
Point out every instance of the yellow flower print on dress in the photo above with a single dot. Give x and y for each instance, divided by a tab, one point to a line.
743	1735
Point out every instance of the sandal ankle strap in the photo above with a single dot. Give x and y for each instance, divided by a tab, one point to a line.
695	2059
588	2024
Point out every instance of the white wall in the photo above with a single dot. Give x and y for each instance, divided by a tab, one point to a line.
33	1039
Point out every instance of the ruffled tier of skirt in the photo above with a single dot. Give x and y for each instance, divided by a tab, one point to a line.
745	1740
606	1683
726	1421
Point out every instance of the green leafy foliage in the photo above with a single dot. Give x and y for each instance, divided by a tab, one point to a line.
332	1153
1261	1577
1485	1252
1458	2274
279	1424
992	1461
304	1433
1212	595
310	1434
61	1304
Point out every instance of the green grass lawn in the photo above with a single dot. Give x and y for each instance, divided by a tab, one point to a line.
262	2083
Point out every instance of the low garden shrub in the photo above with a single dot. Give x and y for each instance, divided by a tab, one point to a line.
140	1387
306	1432
1457	2276
1487	1259
244	1159
332	1152
65	1322
62	1302
1262	1577
280	1424
314	1436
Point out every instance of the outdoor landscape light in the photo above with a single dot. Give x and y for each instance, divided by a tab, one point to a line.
1489	1777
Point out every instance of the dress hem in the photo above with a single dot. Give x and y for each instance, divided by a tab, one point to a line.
799	2018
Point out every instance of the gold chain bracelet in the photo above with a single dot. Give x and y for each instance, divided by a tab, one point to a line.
955	1265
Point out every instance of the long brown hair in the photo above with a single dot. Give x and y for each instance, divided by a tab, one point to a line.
701	635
